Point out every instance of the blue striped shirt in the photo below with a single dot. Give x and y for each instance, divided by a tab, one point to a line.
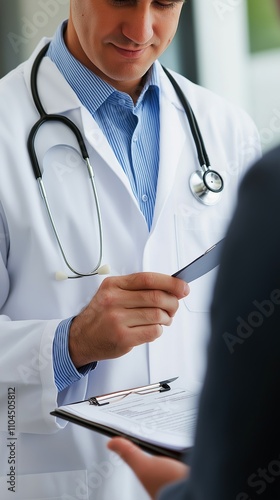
132	131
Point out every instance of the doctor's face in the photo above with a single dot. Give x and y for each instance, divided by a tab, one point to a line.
120	39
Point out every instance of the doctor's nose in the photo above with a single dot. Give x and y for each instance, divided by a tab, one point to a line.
139	26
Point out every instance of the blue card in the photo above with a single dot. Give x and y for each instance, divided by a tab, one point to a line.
202	265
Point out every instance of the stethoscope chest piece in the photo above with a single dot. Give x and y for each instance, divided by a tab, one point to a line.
206	185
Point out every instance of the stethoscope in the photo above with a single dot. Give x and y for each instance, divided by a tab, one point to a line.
205	184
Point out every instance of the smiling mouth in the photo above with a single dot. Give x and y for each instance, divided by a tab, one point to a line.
130	53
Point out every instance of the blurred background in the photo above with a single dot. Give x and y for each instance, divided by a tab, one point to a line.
229	46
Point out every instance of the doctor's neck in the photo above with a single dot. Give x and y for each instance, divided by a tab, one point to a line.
125	75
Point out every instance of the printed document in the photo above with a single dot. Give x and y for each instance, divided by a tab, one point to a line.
163	421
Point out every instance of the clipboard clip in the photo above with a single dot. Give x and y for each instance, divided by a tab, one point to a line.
112	397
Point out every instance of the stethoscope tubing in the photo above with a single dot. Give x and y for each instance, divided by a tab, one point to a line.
44	118
33	133
202	155
195	130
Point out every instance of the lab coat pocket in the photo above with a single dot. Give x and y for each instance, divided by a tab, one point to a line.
194	235
66	485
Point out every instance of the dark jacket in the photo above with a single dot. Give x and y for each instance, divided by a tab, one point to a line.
237	449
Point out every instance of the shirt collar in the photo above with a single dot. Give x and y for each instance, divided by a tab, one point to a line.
91	90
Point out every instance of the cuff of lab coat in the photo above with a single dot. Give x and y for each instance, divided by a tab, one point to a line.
65	373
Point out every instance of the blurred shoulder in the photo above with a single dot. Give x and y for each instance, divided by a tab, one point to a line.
266	170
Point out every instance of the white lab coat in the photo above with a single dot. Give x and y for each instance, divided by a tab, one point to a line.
55	460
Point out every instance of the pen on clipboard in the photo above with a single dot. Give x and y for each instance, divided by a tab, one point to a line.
202	265
145	389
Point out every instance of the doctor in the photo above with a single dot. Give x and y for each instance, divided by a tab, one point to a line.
64	340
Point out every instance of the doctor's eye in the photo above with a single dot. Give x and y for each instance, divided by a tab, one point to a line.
123	3
167	4
161	4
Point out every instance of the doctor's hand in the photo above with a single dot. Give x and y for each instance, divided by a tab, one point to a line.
153	472
125	312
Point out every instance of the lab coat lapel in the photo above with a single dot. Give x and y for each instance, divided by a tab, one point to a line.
172	137
98	141
176	151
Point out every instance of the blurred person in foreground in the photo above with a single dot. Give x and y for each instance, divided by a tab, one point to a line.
237	447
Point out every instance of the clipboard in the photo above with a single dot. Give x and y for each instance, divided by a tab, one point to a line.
202	265
89	414
197	268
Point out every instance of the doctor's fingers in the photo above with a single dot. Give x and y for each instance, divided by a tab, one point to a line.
114	298
152	281
139	335
145	316
156	301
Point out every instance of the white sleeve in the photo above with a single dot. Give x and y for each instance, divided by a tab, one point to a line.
26	367
26	362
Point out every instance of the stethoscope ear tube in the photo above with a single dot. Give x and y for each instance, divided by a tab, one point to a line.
200	146
44	118
33	80
33	132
